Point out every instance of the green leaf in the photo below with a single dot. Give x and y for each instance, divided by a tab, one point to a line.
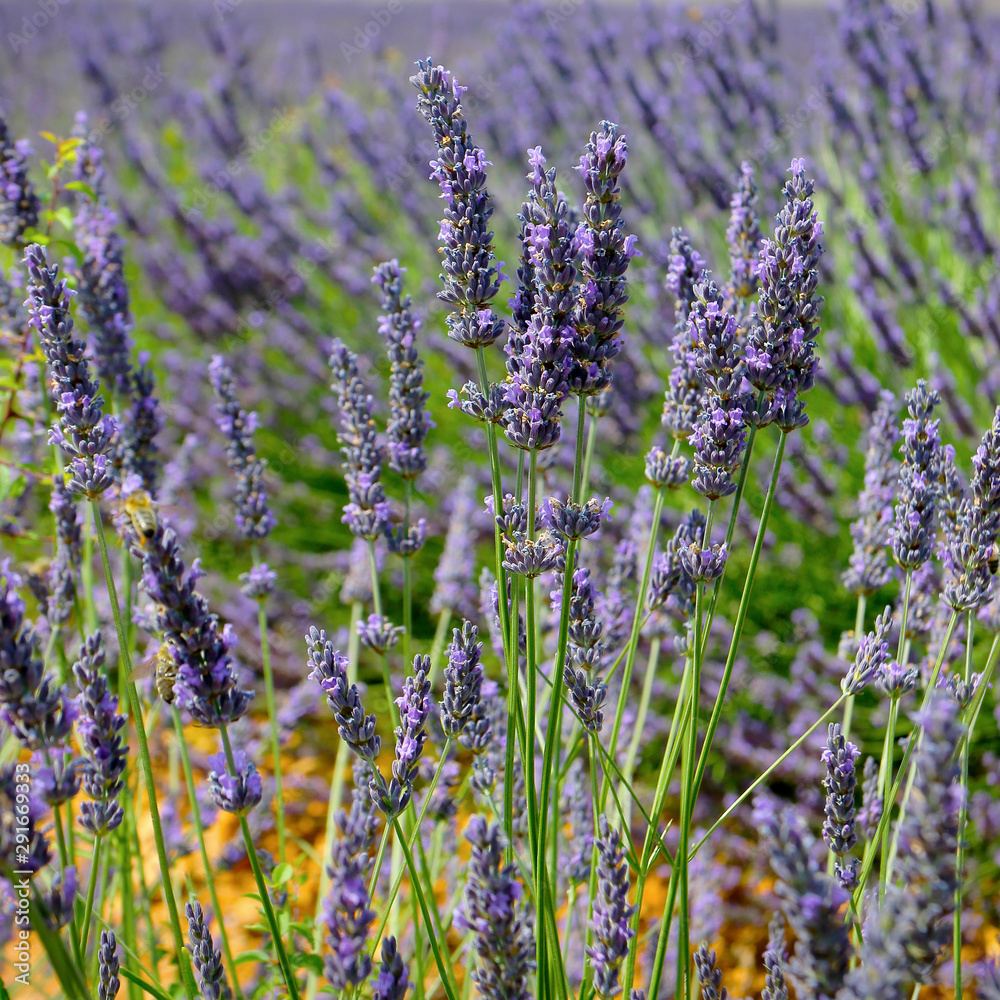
35	236
253	956
146	987
281	874
81	186
64	216
312	963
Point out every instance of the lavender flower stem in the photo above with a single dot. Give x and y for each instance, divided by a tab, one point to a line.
911	744
88	910
963	816
200	833
633	642
377	602
445	971
407	577
147	766
581	419
437	645
258	874
414	833
885	783
272	715
766	774
589	457
336	795
741	612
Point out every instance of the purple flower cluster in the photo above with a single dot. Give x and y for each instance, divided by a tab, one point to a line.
780	357
237	793
584	653
99	729
408	421
206	958
83	432
610	921
367	514
840	757
414	706
471	278
463	680
207	685
871	532
253	516
743	241
18	202
493	911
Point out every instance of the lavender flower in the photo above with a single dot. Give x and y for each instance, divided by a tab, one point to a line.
140	423
871	532
666	471
235	793
686	266
253	516
743	240
99	729
259	583
83	431
611	913
839	755
872	655
463	678
915	518
605	255
104	295
207	959
709	977
811	902
408	422
58	780
329	670
392	980
539	347
780	343
18	202
347	911
585	651
107	967
367	514
775	957
970	585
378	634
38	711
471	279
414	705
575	521
493	911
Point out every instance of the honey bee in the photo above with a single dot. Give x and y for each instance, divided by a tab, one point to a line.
993	559
138	505
165	672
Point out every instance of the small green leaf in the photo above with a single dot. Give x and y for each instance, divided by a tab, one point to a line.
281	874
82	186
252	956
312	963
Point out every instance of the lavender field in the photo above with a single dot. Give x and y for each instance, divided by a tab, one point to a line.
515	522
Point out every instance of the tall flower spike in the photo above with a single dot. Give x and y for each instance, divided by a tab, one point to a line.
869	564
141	422
584	653
253	516
367	514
538	356
872	656
83	431
493	910
605	255
775	956
408	421
611	913
840	756
709	977
463	680
392	980
18	202
970	584
205	957
329	670
207	685
781	362
471	278
107	967
99	730
915	523
743	241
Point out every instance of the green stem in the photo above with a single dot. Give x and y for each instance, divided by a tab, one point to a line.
633	643
589	459
258	874
407	578
200	833
272	717
963	815
91	887
147	765
741	615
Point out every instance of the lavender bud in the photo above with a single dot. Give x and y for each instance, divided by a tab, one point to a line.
463	680
574	521
392	980
873	654
666	471
19	204
709	977
234	793
259	583
839	756
378	633
743	240
107	967
775	956
610	923
205	957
